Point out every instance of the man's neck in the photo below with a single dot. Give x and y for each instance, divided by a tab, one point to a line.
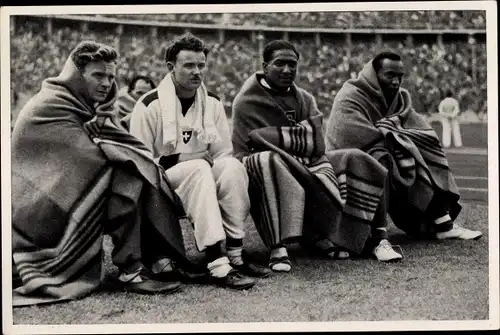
389	98
182	92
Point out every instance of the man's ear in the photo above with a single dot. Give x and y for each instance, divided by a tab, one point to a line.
170	66
264	67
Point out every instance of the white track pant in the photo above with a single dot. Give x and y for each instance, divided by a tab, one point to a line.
215	198
451	127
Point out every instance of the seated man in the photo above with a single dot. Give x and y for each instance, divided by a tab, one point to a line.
127	97
77	176
186	128
373	113
330	201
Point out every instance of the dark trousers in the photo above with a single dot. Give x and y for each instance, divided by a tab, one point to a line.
405	216
143	225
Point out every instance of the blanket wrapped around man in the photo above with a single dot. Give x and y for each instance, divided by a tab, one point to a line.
296	188
67	191
398	136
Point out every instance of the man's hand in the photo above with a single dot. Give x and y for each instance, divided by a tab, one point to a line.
198	155
94	126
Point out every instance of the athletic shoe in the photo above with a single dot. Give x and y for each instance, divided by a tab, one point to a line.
234	279
385	253
460	233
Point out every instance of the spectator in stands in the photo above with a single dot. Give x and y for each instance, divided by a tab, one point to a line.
373	113
70	187
128	96
297	190
449	110
186	128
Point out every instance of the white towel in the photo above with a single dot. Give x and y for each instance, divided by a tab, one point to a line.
204	126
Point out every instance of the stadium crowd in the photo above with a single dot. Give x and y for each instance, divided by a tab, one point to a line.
365	19
431	69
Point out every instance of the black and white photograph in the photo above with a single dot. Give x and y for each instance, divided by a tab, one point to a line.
250	167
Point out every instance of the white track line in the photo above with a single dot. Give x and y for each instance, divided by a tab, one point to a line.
470	178
473	189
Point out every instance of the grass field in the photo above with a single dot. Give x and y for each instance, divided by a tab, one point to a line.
438	280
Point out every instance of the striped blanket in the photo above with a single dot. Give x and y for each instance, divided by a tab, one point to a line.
67	191
301	145
298	190
400	138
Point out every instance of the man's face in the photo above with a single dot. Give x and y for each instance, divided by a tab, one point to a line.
99	77
141	87
188	69
282	68
390	76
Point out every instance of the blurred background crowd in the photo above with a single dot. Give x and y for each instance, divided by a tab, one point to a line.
455	61
392	20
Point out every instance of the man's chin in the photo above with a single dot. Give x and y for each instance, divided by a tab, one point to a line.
100	98
391	92
193	86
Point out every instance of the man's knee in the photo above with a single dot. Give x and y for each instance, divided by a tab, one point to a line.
199	168
231	166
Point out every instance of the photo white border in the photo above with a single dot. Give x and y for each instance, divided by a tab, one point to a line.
492	93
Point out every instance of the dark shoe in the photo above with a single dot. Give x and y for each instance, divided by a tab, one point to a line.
252	270
145	282
193	277
234	279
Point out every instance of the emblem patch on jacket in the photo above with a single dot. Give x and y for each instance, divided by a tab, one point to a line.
187	133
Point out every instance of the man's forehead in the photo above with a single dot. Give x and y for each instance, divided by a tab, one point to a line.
284	54
188	56
393	65
101	66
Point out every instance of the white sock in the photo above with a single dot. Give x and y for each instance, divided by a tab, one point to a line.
278	253
220	267
234	255
443	219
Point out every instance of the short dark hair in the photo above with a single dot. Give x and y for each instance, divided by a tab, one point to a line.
91	51
449	93
379	59
134	81
272	46
185	42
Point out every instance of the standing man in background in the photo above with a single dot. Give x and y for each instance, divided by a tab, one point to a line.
449	110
